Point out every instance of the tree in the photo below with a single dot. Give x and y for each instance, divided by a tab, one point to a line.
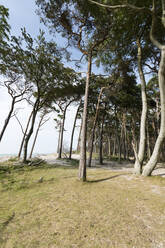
42	121
41	66
84	33
17	87
157	40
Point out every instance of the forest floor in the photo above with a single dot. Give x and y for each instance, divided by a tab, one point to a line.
46	206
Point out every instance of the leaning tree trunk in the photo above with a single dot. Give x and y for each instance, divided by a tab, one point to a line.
8	118
155	155
72	135
23	139
142	143
94	127
35	138
161	78
35	110
82	163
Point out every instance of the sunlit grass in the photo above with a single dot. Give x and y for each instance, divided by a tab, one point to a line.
112	209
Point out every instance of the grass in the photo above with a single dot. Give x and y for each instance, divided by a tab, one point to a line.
110	210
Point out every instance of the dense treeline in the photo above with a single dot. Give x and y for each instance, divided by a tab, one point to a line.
121	118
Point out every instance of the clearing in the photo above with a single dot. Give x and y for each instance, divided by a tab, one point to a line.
47	207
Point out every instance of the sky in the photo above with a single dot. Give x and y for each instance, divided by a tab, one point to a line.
22	14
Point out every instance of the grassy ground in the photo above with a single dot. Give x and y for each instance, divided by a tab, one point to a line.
48	207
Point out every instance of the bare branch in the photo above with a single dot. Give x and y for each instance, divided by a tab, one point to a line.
20	124
130	6
153	39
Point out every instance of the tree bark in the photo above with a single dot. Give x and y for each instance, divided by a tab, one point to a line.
79	138
101	143
155	155
59	138
34	114
72	135
142	143
23	139
94	127
8	118
62	133
161	78
36	135
82	163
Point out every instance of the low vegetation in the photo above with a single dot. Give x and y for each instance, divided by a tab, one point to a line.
46	206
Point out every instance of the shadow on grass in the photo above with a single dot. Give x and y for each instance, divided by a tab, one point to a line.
6	223
107	178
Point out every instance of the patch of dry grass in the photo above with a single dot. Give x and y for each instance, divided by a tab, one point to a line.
111	210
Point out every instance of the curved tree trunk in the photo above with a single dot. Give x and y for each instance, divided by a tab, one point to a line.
142	144
82	163
8	118
155	155
34	114
72	135
35	138
23	139
161	78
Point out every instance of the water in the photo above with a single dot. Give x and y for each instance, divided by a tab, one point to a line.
7	155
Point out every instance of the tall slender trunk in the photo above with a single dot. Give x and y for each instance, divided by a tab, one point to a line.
59	137
73	129
8	118
155	154
109	147
82	163
23	139
79	138
94	127
114	145
142	143
36	134
62	134
148	143
101	142
34	114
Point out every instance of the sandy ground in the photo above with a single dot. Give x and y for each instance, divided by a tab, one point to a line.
110	165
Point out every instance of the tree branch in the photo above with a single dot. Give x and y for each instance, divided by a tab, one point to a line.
130	6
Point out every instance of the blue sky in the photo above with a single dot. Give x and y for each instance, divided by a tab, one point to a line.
22	14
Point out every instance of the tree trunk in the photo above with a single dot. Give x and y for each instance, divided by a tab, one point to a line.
59	138
109	147
82	163
94	127
23	139
74	125
155	155
142	142
8	118
79	138
101	143
34	114
148	143
35	138
62	134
